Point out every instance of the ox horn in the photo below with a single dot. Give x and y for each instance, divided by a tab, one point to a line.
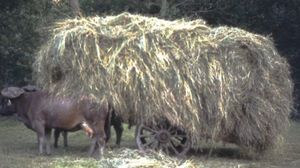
31	88
12	92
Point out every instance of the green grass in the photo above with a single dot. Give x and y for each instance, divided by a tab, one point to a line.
18	149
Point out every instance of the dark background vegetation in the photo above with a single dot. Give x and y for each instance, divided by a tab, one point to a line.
24	23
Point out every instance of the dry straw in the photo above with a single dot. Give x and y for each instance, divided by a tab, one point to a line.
221	83
128	158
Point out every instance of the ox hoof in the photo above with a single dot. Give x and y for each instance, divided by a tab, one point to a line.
117	146
44	154
96	157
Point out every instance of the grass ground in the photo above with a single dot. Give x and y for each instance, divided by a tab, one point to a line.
18	149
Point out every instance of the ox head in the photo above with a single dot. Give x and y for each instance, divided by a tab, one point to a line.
3	103
7	94
12	92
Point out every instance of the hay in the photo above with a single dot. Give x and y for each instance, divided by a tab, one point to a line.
221	83
128	158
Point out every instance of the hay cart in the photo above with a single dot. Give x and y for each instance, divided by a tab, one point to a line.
181	80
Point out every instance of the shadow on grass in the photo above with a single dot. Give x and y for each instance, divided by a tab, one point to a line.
222	152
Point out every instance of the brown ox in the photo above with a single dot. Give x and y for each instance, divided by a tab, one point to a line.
41	112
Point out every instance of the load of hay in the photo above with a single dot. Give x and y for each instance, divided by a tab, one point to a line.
221	83
127	158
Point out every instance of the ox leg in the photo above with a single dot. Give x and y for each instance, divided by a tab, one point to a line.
101	145
119	130
89	132
65	136
48	139
100	137
56	136
108	123
93	146
40	130
98	140
41	140
107	132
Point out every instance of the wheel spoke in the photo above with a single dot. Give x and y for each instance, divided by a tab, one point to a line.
161	126
148	129
166	150
173	133
180	144
182	135
158	127
165	126
149	143
173	148
178	138
175	140
170	129
155	145
147	135
158	147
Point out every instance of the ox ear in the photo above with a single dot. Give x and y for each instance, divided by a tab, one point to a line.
12	92
30	88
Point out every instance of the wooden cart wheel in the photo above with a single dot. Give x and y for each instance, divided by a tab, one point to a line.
163	137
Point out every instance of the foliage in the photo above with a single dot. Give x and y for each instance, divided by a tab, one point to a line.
16	42
22	30
23	25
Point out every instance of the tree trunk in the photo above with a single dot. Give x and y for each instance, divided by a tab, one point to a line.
164	8
75	6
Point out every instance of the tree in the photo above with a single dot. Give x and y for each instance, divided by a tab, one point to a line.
75	6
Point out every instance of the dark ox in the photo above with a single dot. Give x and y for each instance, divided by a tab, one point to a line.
115	121
41	112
